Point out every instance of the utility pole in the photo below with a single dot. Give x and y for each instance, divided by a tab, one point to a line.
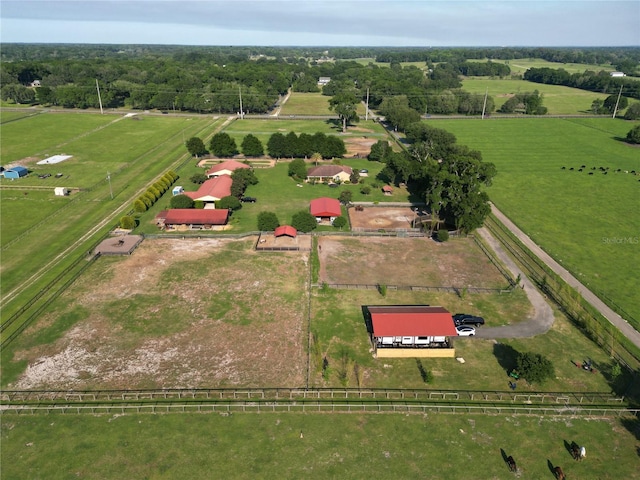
484	105
366	110
617	101
99	99
240	93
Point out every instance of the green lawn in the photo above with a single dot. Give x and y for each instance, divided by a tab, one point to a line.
294	445
589	223
307	104
521	65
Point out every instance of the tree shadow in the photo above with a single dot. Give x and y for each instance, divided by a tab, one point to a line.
335	124
506	356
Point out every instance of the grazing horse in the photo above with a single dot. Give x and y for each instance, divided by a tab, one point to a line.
512	464
575	451
559	473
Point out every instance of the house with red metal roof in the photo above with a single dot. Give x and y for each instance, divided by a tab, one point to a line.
225	168
325	208
411	331
212	190
193	218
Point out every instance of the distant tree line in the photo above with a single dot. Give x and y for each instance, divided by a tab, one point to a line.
600	82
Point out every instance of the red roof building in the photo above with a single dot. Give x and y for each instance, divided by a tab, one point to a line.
213	189
418	321
285	230
225	168
325	207
196	217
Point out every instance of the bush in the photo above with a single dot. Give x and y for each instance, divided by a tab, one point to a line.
139	206
365	190
298	169
633	136
154	191
198	178
442	235
181	201
534	368
340	222
267	221
304	221
128	222
230	202
199	204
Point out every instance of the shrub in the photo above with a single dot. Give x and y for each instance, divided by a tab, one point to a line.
230	202
633	136
149	196
154	191
181	201
298	169
345	197
304	221
199	204
198	178
340	222
139	206
267	221
382	290
365	190
147	202
442	235
534	368
127	222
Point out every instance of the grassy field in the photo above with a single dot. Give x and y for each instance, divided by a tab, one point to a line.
291	446
589	223
521	65
558	99
37	228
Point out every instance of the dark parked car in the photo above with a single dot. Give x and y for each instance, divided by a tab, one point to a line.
249	199
466	319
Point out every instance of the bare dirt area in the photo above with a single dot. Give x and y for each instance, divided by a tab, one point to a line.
406	261
378	218
177	314
358	146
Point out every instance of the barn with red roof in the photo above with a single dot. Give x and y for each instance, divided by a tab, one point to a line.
225	168
325	208
193	218
411	331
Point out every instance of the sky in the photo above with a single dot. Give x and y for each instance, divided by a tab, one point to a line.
392	23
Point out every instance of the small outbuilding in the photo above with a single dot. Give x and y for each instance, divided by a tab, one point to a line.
61	191
387	190
285	230
325	208
15	172
411	331
226	168
177	190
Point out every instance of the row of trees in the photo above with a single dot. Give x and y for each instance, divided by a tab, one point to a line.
154	192
302	221
601	82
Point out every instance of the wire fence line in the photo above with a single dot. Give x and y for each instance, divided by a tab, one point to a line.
460	291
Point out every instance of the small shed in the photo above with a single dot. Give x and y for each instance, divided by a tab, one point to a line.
61	191
15	172
177	190
387	190
285	230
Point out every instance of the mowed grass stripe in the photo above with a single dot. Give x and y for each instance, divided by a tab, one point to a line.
580	219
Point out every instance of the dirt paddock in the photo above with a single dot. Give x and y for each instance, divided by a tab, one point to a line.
387	218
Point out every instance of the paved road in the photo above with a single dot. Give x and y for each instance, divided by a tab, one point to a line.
538	321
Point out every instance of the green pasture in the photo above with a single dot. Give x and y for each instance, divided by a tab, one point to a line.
589	223
558	99
340	333
295	445
7	116
134	152
521	65
306	104
47	134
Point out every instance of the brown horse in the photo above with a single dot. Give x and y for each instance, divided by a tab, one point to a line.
559	473
575	451
512	464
